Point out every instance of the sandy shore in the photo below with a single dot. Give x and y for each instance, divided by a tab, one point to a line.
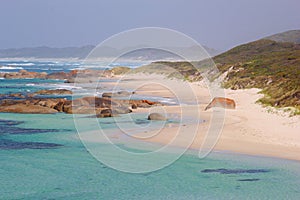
249	129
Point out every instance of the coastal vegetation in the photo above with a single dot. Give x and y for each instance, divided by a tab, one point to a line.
272	66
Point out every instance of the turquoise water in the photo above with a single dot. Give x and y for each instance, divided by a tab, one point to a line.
8	86
70	172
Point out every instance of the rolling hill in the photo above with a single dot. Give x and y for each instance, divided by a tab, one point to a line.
272	65
101	52
292	36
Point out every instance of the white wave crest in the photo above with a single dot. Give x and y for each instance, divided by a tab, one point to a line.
20	64
9	67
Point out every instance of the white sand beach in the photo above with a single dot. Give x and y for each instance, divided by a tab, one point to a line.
248	129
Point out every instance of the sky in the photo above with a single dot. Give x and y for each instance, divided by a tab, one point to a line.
219	24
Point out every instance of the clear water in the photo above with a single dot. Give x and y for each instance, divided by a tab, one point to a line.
41	157
70	172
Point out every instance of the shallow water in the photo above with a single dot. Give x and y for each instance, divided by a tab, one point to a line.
63	169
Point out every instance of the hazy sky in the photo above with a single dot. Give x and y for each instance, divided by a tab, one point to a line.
219	24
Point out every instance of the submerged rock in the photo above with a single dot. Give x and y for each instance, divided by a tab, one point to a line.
249	179
10	144
235	171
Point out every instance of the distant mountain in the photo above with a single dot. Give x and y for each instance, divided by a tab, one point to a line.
83	52
47	52
292	36
157	54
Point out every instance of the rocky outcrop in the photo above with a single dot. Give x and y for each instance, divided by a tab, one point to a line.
41	106
22	74
221	102
103	107
27	108
87	75
54	92
157	116
112	113
105	113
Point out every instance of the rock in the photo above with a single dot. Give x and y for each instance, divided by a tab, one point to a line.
24	108
83	75
149	102
60	106
83	110
85	105
101	102
70	80
105	113
80	102
133	106
17	95
58	75
67	108
157	116
143	105
221	102
121	110
107	94
24	74
33	105
12	95
56	91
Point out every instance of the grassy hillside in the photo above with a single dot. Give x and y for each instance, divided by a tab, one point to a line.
292	36
180	70
272	66
269	65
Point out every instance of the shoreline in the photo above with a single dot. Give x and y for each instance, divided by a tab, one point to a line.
249	129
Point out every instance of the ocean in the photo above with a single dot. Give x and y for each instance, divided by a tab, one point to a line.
42	157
